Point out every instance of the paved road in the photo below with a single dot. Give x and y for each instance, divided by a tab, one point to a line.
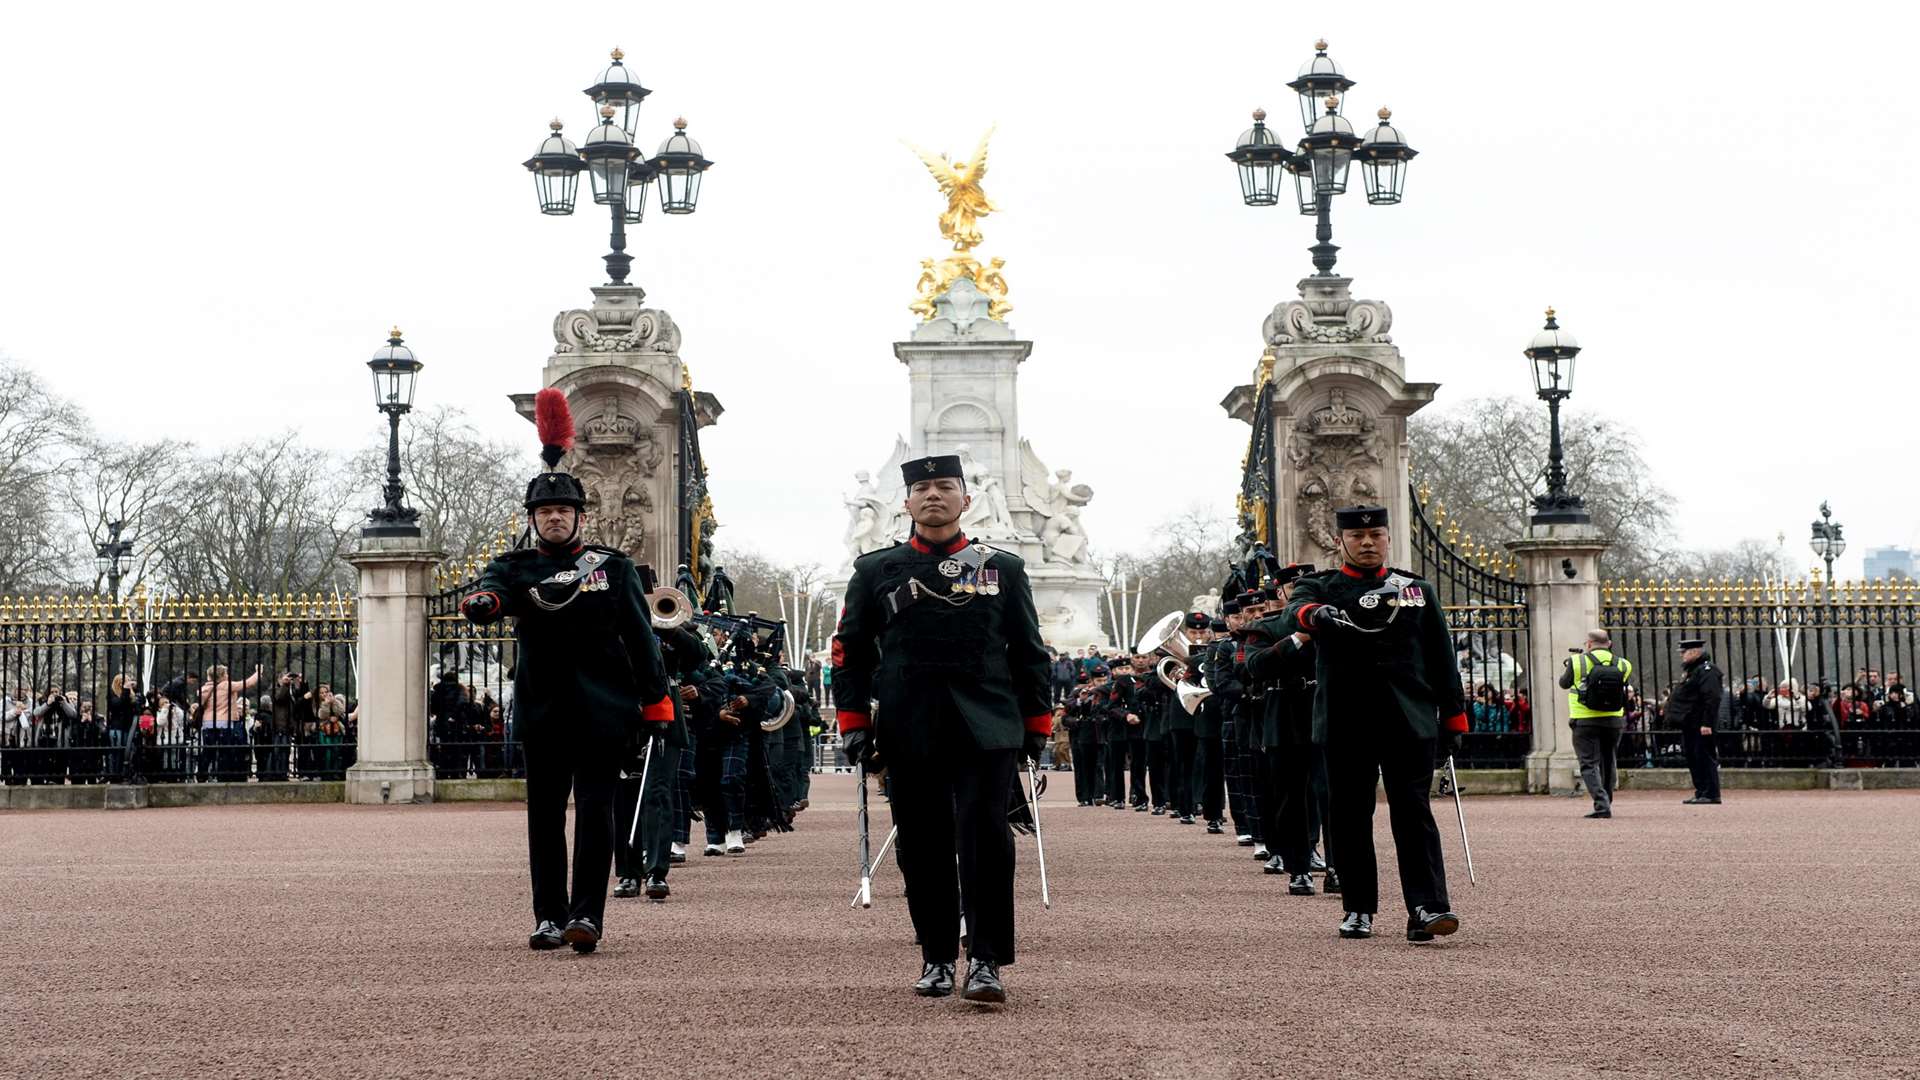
1770	936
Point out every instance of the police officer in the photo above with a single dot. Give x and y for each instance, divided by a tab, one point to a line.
942	634
589	680
1389	691
1695	708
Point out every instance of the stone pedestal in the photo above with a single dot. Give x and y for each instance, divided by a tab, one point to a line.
619	364
1340	406
1561	608
962	373
395	578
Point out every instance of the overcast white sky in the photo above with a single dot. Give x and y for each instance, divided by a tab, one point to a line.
212	213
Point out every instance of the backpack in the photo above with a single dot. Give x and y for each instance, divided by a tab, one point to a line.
1604	689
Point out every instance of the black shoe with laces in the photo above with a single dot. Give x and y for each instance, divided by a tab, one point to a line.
1274	865
1300	885
936	980
1601	814
582	935
1332	884
627	887
983	983
657	890
1424	925
1214	828
545	936
1357	924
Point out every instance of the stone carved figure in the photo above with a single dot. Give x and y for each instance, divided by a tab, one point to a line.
1055	502
989	518
615	326
1337	448
876	511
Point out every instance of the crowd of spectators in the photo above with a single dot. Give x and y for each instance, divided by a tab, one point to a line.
466	731
195	728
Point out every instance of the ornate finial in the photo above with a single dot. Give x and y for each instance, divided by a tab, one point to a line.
1385	114
1549	311
606	113
617	54
1259	115
679	123
1333	102
555	124
1320	45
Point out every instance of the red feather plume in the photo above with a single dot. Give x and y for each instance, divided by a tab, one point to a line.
553	420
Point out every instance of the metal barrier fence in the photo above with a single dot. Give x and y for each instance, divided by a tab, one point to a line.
1849	645
171	689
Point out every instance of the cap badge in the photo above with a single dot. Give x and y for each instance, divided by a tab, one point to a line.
950	568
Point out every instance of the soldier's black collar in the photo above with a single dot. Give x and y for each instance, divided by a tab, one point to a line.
926	548
1355	572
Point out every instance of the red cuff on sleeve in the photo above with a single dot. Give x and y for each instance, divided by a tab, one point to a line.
486	592
1040	725
852	721
660	712
1306	611
1457	723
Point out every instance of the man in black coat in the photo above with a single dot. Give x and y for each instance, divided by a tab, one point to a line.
588	681
1285	662
656	762
940	635
1389	691
1694	708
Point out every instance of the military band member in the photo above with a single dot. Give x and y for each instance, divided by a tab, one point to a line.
1389	699
588	681
941	635
650	855
1285	661
1209	779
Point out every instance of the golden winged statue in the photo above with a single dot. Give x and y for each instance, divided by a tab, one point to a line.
960	183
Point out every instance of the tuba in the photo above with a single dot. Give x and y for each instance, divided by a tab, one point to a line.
786	713
1192	696
669	607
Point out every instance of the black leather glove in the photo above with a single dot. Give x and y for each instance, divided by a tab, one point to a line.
1445	745
857	748
1033	746
1325	621
480	607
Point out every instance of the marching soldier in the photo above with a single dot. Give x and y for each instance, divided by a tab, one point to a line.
650	855
589	680
942	634
1285	661
1389	698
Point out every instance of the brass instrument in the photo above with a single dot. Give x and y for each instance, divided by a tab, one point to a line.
786	713
1168	670
1191	696
669	607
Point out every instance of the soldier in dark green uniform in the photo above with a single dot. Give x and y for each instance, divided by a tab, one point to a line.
1285	661
588	682
650	854
1389	699
941	634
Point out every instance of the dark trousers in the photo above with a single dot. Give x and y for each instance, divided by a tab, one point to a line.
652	841
1594	745
683	782
1299	787
1703	761
1357	764
1211	776
1139	762
223	754
723	776
1253	807
1184	748
554	770
1159	780
956	851
1086	763
1113	756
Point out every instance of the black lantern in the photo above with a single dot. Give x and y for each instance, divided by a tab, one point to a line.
1827	542
678	167
608	152
1331	142
1320	78
1383	155
1260	158
639	182
110	556
617	88
1552	352
1300	166
394	371
556	172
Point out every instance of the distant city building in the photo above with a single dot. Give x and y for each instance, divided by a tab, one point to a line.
1887	563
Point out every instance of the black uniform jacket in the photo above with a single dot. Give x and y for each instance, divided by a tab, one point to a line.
590	671
1223	678
980	651
1410	667
1696	700
1287	666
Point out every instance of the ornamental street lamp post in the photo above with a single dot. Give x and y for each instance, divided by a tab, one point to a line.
1827	543
394	372
111	556
1552	353
619	177
1320	162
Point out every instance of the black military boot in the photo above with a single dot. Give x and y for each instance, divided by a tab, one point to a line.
545	936
1424	925
626	887
983	983
1300	885
1357	924
936	980
582	935
657	890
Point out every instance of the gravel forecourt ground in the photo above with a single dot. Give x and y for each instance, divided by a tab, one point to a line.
1773	936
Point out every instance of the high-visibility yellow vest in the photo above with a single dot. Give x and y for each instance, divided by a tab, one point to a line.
1583	664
